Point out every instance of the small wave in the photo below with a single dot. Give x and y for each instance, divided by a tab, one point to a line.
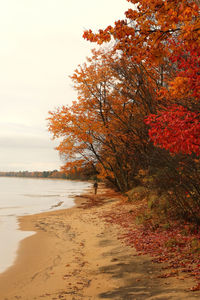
40	196
57	205
9	207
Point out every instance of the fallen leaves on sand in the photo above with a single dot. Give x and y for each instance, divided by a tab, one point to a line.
175	245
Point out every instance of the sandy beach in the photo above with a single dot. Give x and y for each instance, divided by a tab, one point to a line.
76	255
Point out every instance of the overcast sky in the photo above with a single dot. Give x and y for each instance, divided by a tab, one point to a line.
41	44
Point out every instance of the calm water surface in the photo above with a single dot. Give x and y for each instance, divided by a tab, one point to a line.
25	196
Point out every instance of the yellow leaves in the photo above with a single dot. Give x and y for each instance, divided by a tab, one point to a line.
179	87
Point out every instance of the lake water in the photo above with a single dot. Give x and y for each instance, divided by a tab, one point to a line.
26	196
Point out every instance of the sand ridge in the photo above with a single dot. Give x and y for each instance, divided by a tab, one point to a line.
76	255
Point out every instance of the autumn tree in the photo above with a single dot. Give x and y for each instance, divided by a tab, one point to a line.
153	32
184	114
163	36
105	127
147	27
137	105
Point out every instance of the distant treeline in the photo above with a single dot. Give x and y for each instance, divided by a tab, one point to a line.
43	174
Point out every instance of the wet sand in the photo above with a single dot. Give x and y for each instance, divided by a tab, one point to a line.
76	255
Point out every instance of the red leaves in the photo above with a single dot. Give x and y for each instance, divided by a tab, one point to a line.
196	287
177	130
188	63
173	31
169	274
172	246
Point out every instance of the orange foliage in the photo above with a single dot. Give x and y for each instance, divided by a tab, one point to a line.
105	125
148	25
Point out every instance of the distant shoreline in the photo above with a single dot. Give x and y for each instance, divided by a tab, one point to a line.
55	174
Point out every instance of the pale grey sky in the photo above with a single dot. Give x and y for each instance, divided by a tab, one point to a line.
41	44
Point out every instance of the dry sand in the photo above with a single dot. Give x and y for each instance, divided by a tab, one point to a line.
76	255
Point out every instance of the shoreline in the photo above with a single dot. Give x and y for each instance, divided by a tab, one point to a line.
28	197
76	255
